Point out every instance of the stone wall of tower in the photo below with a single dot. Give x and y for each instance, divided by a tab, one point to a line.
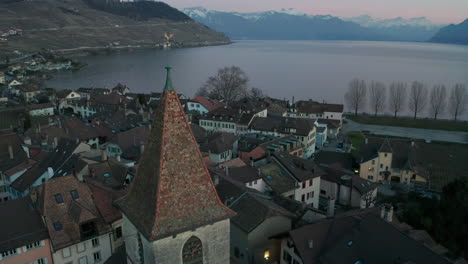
215	240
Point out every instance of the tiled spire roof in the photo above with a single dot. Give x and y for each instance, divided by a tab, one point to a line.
172	191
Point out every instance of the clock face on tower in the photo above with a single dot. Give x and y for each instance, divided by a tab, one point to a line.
192	252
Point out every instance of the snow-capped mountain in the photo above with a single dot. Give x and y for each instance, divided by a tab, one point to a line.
293	24
368	21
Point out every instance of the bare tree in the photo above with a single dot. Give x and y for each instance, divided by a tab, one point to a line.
458	100
256	93
437	100
356	95
377	94
229	85
397	97
369	198
417	98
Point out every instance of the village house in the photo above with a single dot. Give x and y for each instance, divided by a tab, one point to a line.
226	120
84	92
45	109
414	163
23	235
108	173
220	146
258	218
314	110
346	188
77	231
321	136
303	129
104	199
259	155
14	161
351	238
129	144
293	177
203	105
64	127
247	175
58	162
29	92
121	89
333	127
13	85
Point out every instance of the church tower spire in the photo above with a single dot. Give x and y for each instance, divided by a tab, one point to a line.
168	86
172	197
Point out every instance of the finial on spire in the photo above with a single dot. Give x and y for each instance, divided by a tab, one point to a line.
168	85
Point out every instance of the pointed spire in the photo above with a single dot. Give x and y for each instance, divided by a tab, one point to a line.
168	86
172	191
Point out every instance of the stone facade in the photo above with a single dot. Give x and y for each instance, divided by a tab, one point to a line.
214	238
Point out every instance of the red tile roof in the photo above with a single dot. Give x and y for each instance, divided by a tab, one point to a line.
210	105
103	198
172	191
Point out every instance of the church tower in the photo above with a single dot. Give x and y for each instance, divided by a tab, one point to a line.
172	214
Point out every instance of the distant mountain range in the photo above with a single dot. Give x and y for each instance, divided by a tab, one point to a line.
290	24
455	34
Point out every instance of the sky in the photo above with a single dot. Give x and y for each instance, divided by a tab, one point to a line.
438	11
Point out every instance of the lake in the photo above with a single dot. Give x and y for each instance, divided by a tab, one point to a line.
319	70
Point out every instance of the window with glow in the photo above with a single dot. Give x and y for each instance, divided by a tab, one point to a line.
192	252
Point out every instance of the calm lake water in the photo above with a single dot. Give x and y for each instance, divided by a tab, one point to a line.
320	70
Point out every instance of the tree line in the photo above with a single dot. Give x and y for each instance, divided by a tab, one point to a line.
417	96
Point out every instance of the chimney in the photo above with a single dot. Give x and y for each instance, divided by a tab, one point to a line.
142	148
226	169
33	196
215	178
389	216
103	154
55	144
386	212
252	164
331	207
50	172
366	140
310	243
27	141
10	151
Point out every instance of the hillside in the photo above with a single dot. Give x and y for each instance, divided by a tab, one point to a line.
76	24
453	34
291	24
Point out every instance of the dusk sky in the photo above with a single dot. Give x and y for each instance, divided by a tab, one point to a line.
440	11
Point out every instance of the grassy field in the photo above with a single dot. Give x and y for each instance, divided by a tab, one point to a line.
356	138
409	122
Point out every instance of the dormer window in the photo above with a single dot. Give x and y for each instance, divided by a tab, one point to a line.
58	198
87	230
74	194
57	226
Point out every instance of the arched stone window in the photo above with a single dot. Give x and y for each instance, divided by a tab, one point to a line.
192	253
